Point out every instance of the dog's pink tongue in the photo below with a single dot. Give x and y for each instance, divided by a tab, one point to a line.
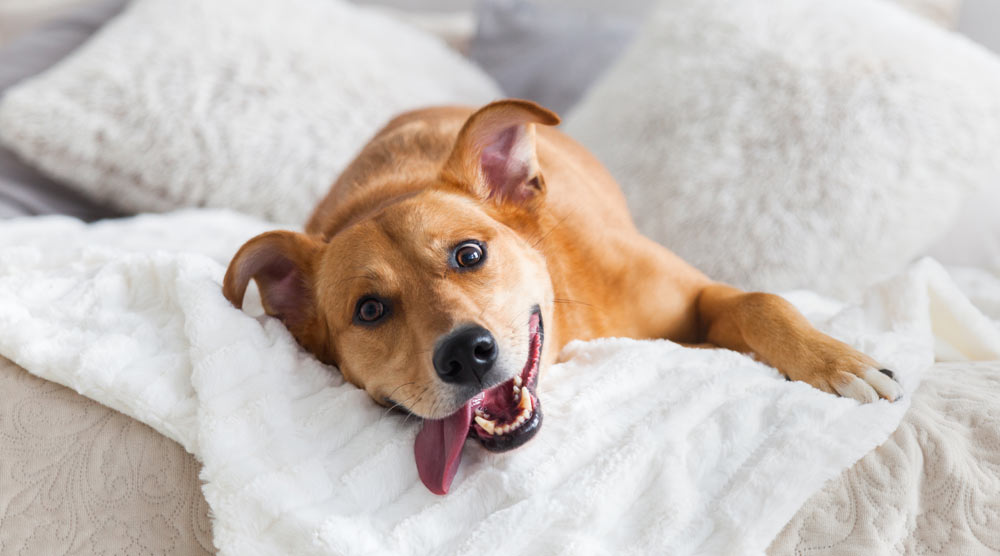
438	449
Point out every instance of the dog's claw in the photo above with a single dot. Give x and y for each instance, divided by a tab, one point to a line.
888	373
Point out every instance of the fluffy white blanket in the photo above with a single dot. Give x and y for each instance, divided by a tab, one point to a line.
647	448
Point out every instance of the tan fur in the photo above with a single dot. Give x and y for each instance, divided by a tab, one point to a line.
570	247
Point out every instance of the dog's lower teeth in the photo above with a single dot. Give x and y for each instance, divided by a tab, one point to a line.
487	425
517	382
524	406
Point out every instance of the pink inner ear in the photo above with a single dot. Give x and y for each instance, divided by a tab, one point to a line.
281	285
506	162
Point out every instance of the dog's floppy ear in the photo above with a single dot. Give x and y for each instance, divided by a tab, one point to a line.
495	151
282	264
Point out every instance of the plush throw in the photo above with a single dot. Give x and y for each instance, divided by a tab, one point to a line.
254	105
796	143
648	447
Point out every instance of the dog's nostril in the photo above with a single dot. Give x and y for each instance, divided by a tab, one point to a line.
484	350
454	367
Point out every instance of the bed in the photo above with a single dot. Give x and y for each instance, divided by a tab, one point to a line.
79	477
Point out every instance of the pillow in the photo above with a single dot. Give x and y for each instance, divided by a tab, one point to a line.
254	105
944	12
779	144
974	238
552	51
23	190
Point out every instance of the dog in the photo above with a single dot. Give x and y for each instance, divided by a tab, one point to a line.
462	249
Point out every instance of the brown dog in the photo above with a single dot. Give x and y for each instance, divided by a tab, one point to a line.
427	272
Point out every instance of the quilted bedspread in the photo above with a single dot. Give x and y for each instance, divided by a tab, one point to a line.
934	486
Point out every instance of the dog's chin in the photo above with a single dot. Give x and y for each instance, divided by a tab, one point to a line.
509	414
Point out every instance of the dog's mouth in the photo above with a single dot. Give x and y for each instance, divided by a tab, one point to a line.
500	418
508	415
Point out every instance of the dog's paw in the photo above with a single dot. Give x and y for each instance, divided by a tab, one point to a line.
841	370
867	385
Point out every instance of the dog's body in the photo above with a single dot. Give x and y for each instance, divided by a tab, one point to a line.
429	269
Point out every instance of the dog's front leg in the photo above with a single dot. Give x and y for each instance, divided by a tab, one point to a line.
772	329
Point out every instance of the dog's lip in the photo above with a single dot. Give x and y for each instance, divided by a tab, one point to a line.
437	448
511	409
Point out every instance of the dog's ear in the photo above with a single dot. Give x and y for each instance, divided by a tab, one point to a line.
282	264
494	153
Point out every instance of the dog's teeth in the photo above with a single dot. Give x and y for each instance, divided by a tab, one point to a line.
487	425
517	382
525	403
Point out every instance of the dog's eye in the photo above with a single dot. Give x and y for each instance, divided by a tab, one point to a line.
369	310
469	254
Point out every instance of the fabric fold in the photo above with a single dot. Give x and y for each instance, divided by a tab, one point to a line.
648	447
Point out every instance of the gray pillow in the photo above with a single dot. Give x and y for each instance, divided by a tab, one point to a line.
23	190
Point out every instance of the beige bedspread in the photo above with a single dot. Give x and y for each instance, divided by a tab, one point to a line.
79	478
932	488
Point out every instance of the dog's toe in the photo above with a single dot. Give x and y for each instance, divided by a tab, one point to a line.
852	386
883	383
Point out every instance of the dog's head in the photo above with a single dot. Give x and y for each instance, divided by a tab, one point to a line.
433	302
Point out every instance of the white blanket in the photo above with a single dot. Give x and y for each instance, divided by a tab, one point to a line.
647	447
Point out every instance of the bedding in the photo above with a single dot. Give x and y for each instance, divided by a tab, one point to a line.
932	488
929	499
786	144
23	189
129	313
182	103
552	51
79	478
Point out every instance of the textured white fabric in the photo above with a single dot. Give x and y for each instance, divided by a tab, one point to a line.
253	105
778	144
647	447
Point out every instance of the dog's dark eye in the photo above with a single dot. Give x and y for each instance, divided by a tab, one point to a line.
469	254
369	310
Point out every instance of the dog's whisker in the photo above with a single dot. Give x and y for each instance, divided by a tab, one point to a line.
487	306
571	301
552	229
416	402
396	404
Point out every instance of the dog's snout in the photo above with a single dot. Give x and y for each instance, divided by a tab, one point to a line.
466	355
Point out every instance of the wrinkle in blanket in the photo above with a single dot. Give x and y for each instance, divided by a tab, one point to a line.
648	447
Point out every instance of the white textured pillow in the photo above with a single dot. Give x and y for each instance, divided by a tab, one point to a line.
254	105
790	143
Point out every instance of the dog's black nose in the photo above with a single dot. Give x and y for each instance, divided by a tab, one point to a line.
465	355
